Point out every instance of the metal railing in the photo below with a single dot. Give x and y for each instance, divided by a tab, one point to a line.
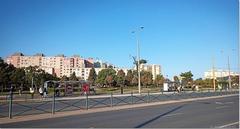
12	107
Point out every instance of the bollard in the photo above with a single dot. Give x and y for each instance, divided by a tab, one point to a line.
10	104
131	97
87	101
111	99
53	103
162	91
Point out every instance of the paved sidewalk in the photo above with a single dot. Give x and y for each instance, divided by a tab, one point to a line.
78	112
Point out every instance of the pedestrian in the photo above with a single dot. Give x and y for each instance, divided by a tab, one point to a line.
41	91
45	92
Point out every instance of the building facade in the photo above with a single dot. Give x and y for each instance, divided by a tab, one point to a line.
65	66
219	73
153	68
59	65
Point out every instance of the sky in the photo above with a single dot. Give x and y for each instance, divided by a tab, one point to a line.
179	35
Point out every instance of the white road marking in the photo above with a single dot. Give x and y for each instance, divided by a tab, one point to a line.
229	103
221	107
173	114
219	103
223	126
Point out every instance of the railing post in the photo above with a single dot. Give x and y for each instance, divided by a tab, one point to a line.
111	99
10	104
148	100
131	97
53	101
87	101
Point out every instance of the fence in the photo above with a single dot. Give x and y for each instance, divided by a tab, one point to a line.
12	107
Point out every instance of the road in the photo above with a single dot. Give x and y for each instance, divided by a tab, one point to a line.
218	112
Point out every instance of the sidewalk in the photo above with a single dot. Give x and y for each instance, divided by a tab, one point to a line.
79	112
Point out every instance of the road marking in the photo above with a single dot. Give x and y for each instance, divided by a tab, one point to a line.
221	107
219	103
229	103
173	114
223	126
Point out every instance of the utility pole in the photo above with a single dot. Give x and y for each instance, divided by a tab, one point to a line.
229	76
139	76
213	73
138	56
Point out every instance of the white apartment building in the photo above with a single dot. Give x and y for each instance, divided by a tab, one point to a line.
218	73
153	68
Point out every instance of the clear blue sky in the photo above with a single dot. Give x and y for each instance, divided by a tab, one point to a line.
180	35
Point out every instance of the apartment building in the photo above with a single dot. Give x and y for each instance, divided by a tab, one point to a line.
153	68
219	73
65	66
60	64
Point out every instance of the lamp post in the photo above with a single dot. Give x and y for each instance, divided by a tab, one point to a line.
229	72
138	56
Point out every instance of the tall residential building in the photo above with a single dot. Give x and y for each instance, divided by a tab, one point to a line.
219	73
65	66
59	65
153	68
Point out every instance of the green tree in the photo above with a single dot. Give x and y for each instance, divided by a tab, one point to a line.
159	80
187	78
5	72
64	78
134	81
129	77
176	79
31	74
120	78
73	77
106	77
18	78
92	76
235	81
146	78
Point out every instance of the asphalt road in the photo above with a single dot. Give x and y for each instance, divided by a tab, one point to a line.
220	112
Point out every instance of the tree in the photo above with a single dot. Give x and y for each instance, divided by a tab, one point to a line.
235	81
31	74
73	77
106	77
92	76
6	70
187	78
159	80
120	78
110	80
176	79
146	78
134	81
18	78
129	77
64	78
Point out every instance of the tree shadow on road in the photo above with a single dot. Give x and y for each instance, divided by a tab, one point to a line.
157	117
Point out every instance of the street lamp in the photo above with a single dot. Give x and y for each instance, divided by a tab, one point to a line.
229	72
138	54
